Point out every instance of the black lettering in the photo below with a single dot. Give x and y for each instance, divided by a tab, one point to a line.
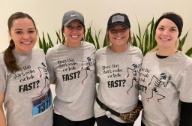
116	83
71	76
37	84
20	88
44	105
25	88
28	87
142	88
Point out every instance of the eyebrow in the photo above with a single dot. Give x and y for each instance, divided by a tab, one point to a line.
22	29
164	26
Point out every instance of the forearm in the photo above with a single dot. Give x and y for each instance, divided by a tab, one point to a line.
2	117
186	114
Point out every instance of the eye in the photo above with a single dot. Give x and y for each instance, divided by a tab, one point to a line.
173	29
123	29
161	28
18	32
79	27
113	30
31	31
69	27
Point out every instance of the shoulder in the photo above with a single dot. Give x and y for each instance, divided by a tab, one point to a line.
150	54
134	48
184	59
38	50
54	49
135	51
101	50
88	44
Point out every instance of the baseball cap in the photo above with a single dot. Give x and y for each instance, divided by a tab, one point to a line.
118	18
70	16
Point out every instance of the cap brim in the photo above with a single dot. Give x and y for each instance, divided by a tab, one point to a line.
72	20
121	23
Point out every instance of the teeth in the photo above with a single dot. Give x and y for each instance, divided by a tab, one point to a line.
74	36
26	43
164	39
118	38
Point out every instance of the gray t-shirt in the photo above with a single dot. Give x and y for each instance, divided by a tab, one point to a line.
73	72
163	82
118	76
28	100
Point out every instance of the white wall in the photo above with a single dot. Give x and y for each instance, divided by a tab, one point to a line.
48	14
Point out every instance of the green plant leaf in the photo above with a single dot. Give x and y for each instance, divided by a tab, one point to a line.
189	52
182	41
50	41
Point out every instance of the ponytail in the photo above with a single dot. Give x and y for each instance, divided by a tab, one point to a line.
9	58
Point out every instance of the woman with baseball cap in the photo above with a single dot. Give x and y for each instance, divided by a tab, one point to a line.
166	77
72	69
117	67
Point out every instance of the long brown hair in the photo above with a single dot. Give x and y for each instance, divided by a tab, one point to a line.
9	58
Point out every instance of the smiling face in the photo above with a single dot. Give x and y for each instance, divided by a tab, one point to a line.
119	35
166	34
74	33
24	34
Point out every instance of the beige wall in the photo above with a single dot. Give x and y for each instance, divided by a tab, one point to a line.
48	13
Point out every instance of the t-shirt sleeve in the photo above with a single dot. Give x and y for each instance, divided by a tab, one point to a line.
50	68
185	85
2	78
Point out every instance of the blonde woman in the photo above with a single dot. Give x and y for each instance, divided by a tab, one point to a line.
117	67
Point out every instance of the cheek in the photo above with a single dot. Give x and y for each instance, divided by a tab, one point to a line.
35	37
16	39
82	32
12	35
157	35
110	36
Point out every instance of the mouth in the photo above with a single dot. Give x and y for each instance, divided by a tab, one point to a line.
74	36
26	42
165	39
119	38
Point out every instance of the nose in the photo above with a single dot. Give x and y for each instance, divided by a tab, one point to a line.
165	32
119	33
26	36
